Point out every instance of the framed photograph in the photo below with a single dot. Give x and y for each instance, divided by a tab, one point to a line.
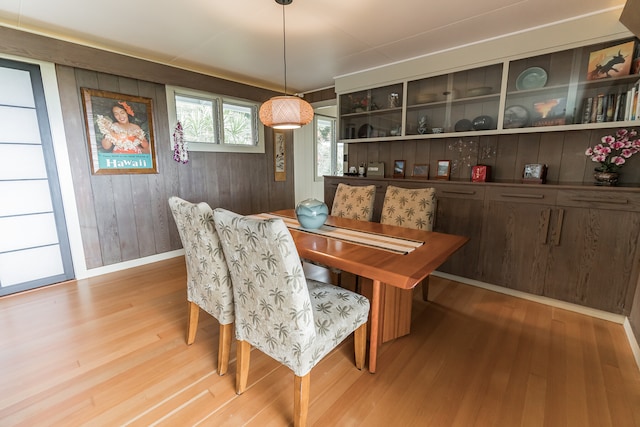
398	168
444	169
119	133
534	173
614	61
279	156
421	171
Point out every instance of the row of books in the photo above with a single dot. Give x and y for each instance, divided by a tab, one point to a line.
612	107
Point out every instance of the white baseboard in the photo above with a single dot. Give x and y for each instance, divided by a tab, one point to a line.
130	264
635	348
599	314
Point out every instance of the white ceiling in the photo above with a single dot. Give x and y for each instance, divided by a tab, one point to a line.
242	39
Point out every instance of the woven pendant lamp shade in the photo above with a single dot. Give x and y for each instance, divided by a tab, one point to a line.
286	112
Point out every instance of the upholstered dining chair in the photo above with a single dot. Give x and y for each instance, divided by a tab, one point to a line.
296	321
208	280
354	201
411	208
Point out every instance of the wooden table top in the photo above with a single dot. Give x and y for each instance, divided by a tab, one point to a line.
400	270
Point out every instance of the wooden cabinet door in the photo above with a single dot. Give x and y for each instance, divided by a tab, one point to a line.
460	211
594	258
514	250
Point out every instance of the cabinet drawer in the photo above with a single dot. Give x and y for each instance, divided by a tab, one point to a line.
619	201
459	191
522	194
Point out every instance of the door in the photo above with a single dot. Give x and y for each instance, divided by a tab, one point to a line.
34	247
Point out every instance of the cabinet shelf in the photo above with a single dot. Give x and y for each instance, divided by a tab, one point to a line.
373	112
420	110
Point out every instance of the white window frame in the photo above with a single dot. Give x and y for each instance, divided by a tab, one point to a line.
334	146
218	102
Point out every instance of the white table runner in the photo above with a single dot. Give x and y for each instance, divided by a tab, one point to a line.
397	245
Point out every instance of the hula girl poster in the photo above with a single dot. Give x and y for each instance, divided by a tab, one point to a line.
119	133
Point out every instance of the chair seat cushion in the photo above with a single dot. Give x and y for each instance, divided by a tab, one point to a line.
337	312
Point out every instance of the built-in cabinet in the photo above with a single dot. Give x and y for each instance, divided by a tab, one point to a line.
576	244
372	113
561	90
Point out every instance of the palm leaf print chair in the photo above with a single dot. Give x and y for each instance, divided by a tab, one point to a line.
355	202
294	320
411	208
208	279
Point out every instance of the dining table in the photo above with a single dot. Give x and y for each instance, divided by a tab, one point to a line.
390	256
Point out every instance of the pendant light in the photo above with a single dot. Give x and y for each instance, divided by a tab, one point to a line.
286	111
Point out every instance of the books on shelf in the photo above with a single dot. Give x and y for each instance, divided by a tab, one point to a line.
612	107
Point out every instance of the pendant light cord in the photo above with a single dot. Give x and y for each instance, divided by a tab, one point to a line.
284	48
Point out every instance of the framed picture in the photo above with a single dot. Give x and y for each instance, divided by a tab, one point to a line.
534	173
398	168
614	61
444	169
279	156
421	171
119	133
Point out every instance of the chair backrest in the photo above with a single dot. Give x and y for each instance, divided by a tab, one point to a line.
355	202
409	207
208	278
273	307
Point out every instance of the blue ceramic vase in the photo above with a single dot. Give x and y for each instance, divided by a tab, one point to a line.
311	213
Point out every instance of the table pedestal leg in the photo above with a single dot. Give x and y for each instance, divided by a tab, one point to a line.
375	325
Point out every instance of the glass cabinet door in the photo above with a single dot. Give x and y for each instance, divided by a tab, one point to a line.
371	113
576	86
464	101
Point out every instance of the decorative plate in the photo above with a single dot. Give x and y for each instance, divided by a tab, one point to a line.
365	131
479	91
463	125
482	123
531	78
515	116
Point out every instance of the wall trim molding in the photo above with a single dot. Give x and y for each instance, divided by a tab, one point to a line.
635	348
599	314
111	268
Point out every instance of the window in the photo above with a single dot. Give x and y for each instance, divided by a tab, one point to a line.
329	153
215	123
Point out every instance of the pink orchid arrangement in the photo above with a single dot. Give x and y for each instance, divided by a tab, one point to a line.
613	151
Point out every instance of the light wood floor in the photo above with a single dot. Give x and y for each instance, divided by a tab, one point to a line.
111	351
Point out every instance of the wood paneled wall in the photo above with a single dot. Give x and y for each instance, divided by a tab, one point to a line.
124	217
507	154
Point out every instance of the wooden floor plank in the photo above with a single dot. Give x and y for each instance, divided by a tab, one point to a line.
111	350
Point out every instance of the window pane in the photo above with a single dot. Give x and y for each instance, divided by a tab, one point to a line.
238	124
196	117
340	159
324	138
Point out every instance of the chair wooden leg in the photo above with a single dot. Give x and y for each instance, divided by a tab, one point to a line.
360	343
425	289
224	347
192	322
243	350
301	387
